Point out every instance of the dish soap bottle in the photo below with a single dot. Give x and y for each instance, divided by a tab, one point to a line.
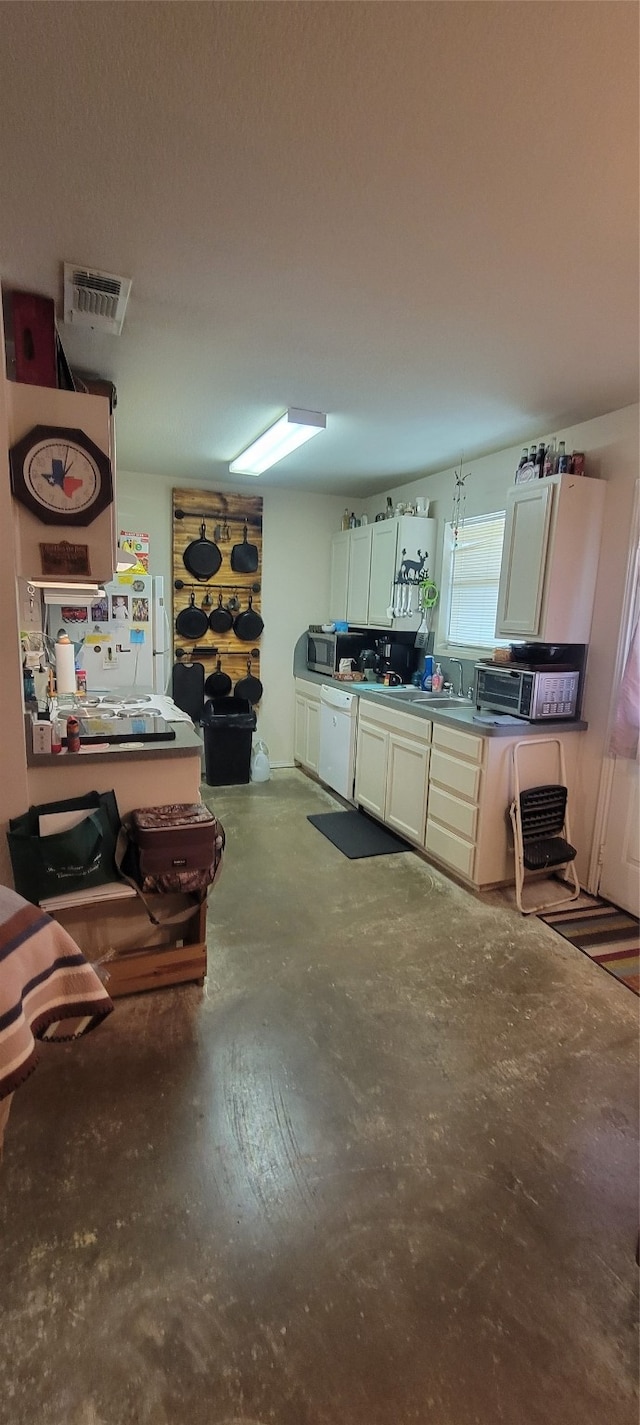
437	680
427	676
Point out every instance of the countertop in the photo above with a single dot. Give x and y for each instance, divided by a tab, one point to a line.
462	716
185	744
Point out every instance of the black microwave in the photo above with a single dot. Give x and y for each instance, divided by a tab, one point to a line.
325	650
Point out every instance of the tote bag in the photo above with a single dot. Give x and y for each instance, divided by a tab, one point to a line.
71	860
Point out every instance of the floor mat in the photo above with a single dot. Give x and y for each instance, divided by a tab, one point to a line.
356	835
605	933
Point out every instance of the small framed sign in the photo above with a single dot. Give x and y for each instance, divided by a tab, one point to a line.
71	560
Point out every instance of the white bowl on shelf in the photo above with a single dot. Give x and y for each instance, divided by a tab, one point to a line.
328	627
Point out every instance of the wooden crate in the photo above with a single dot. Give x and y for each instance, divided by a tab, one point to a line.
136	954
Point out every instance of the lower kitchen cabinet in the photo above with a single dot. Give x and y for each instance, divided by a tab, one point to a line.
448	790
306	739
392	769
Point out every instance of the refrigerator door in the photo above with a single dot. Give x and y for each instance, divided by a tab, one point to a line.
161	637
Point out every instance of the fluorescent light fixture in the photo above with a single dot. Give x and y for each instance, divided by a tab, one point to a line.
66	588
279	440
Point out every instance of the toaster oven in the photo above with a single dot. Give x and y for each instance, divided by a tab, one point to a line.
529	693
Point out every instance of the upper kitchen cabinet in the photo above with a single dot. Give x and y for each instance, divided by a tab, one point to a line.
45	548
378	567
550	559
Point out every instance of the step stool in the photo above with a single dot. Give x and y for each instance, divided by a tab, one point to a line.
541	832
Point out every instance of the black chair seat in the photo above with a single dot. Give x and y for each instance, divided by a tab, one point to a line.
550	851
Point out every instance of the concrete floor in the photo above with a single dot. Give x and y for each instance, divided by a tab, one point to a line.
381	1171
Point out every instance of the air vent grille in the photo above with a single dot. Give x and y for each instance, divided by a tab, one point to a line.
95	299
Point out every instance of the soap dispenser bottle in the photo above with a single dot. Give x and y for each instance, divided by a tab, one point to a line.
437	680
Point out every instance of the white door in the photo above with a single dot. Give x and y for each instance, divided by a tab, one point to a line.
359	563
339	585
620	877
524	553
407	775
383	568
620	873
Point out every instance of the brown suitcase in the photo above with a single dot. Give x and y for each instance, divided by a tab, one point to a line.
180	837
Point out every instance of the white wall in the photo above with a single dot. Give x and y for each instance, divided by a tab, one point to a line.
297	531
610	444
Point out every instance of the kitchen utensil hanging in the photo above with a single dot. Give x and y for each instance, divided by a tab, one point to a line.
187	689
248	625
220	619
202	557
218	684
244	557
192	622
249	687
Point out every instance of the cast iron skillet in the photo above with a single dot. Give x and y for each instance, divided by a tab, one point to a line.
244	557
218	684
202	557
192	622
220	620
249	687
248	625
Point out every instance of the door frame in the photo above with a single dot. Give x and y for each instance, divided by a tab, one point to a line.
608	762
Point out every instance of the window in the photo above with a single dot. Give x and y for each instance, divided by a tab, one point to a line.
470	578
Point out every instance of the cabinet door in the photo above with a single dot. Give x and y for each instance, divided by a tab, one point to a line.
524	556
383	568
407	774
339	585
359	563
313	735
371	767
300	730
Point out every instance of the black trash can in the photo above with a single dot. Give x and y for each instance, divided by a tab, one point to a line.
228	725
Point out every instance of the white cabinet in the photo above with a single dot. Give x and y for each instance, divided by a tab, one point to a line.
455	782
373	562
306	738
359	567
339	581
550	559
392	768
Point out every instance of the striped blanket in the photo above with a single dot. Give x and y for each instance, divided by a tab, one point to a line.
47	988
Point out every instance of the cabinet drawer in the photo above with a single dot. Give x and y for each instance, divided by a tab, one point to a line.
455	814
450	848
462	744
461	778
406	723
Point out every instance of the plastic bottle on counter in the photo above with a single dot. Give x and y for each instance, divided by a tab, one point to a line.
437	680
56	735
73	734
427	676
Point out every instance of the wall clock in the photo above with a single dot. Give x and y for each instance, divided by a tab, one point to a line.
61	475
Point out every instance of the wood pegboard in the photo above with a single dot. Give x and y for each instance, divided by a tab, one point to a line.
232	511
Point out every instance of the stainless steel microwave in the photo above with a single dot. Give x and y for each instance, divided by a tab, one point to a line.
528	693
324	650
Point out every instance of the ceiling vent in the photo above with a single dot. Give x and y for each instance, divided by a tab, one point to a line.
95	299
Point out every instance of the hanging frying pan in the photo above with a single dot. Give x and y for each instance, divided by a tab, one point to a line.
220	620
202	557
218	684
192	622
249	687
244	557
248	625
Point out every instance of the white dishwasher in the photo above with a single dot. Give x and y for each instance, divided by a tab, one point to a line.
338	715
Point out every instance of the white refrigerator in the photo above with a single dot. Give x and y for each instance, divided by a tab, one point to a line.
122	636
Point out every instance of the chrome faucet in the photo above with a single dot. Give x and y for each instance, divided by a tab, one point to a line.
461	688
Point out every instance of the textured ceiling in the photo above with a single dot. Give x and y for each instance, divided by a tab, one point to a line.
421	219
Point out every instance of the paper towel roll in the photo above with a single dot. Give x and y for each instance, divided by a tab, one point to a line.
65	668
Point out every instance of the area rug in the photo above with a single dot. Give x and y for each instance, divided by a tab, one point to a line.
605	933
356	835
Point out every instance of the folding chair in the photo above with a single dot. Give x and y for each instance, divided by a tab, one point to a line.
541	832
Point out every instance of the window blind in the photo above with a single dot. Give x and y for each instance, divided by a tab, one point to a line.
475	575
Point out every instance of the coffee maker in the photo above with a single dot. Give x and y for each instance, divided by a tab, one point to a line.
395	657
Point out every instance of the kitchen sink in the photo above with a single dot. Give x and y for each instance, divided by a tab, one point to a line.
415	695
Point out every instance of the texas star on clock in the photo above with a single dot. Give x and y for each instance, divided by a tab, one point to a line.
61	475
